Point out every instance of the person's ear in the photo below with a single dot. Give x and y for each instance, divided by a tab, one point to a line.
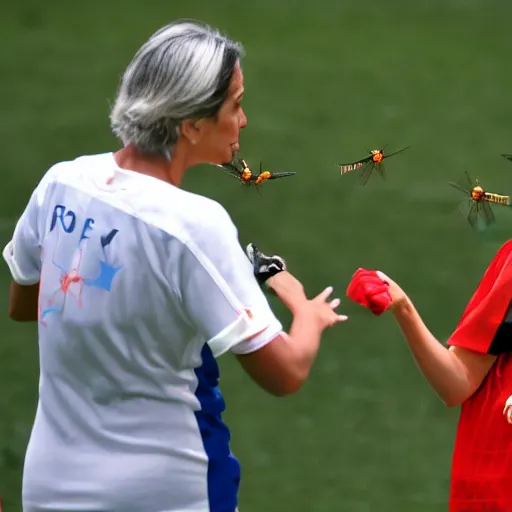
191	129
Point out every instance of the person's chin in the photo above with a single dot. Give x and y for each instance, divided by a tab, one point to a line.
224	161
230	156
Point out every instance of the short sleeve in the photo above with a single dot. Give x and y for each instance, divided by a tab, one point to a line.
485	325
23	252
220	294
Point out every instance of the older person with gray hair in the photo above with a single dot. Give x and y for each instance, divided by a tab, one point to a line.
138	286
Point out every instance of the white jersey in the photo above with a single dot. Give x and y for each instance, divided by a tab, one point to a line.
142	286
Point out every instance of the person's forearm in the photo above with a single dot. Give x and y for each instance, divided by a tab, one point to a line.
289	290
443	371
282	366
303	339
23	302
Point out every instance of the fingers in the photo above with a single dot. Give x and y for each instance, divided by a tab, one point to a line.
336	319
370	288
331	318
507	411
323	296
383	276
334	303
364	274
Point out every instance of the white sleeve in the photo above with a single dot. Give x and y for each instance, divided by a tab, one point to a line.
23	252
220	294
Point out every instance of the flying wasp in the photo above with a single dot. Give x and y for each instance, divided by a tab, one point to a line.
477	204
368	164
508	156
240	170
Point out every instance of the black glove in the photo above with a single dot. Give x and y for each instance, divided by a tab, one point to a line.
264	266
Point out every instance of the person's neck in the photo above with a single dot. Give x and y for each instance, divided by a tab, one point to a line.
157	166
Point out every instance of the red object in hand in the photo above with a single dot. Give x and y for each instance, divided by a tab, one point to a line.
370	290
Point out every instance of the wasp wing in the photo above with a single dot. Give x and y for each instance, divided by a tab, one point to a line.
229	165
381	170
277	175
508	156
469	210
470	182
486	212
460	187
344	168
396	152
229	169
478	213
366	172
473	215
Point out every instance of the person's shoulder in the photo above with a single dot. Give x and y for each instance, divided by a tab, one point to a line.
204	210
65	168
60	171
197	216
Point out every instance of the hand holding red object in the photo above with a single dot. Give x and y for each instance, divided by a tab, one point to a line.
370	288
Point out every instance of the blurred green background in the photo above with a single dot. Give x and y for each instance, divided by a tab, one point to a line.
325	82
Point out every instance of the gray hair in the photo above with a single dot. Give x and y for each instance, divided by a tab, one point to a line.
182	72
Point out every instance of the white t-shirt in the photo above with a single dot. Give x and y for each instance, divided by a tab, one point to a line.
142	286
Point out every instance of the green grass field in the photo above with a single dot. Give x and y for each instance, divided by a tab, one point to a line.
325	82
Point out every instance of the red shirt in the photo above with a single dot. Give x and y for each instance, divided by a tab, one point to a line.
481	479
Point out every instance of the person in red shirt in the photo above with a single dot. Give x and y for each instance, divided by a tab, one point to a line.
474	371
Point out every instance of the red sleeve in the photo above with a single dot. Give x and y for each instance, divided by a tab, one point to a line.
482	320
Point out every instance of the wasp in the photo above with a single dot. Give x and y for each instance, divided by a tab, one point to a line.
508	156
477	205
368	164
241	171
